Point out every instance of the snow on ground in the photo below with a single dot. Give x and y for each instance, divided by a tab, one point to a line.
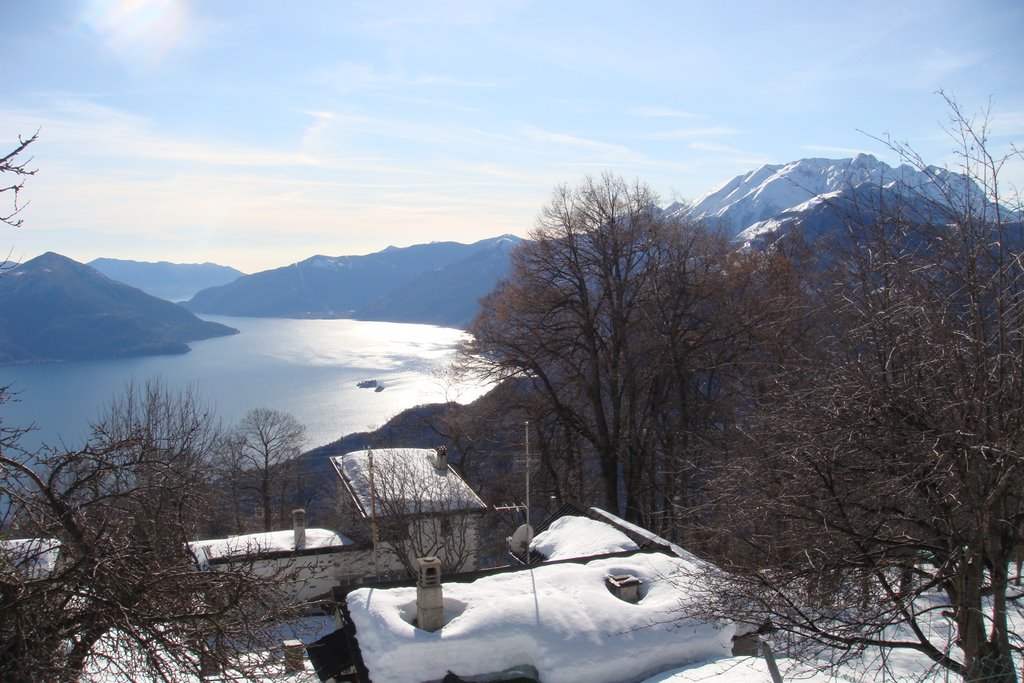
739	670
879	665
272	671
117	659
570	536
266	542
559	619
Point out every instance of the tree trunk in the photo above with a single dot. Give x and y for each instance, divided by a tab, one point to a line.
986	660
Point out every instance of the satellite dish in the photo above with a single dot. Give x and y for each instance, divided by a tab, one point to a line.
520	540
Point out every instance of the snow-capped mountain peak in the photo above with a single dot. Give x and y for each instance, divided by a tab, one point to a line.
773	189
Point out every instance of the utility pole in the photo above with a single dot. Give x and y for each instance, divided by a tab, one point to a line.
527	468
373	516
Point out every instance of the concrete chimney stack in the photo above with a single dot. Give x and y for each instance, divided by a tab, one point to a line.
441	458
299	526
429	598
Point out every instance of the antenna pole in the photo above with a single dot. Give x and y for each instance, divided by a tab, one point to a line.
527	430
373	516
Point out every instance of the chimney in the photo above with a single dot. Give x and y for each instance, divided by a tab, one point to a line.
299	526
429	598
441	458
625	587
294	656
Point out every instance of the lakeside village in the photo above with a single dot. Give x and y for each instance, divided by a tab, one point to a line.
871	530
404	593
586	596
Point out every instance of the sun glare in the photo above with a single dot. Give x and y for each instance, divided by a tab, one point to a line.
139	32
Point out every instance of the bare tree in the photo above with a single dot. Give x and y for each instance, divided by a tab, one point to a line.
258	462
885	462
126	594
415	505
15	164
427	516
617	316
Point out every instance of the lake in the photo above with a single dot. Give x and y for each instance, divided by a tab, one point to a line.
309	368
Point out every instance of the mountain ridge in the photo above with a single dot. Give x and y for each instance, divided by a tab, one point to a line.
774	189
378	286
53	308
164	279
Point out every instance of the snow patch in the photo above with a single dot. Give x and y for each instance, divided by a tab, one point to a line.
571	536
651	536
406	482
267	542
559	619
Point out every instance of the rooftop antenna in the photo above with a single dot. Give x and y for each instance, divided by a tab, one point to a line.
520	540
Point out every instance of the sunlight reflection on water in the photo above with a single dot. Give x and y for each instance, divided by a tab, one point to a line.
306	367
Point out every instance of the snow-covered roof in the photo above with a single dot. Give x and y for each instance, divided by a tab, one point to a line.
559	620
571	536
35	557
649	536
266	543
405	482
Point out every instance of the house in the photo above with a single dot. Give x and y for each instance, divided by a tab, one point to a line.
309	562
397	504
406	503
33	558
607	603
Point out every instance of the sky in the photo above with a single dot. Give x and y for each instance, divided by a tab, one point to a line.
256	134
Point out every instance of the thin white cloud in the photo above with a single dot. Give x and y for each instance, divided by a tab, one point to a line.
101	135
700	132
1006	123
338	138
612	150
662	113
832	150
707	146
438	103
357	76
439	13
941	62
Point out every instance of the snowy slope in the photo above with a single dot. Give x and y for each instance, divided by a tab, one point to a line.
774	189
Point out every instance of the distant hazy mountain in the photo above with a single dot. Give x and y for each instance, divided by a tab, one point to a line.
171	281
439	283
449	295
785	192
53	308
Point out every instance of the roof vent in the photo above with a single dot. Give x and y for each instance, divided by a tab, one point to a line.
625	587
